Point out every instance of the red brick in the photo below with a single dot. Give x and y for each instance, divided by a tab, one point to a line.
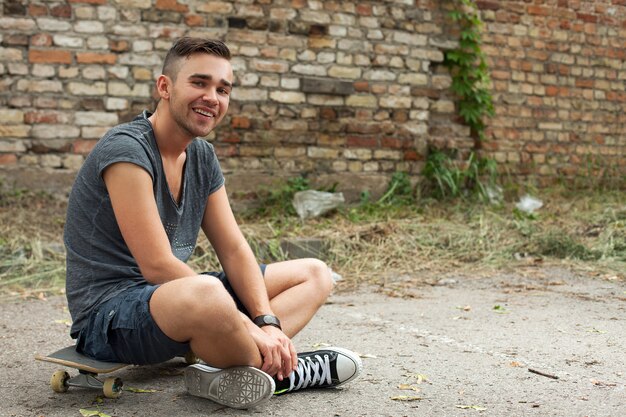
362	141
425	92
63	11
552	90
364	9
536	148
50	56
95	58
35	117
172	5
588	18
395	143
194	20
82	146
328	113
538	10
88	1
488	5
8	159
119	46
41	39
230	138
412	155
361	86
238	122
37	10
580	83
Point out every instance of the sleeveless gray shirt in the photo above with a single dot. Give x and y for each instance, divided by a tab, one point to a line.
99	264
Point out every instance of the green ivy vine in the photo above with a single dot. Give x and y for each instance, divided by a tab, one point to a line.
469	70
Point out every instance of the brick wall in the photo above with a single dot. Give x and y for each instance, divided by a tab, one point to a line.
348	91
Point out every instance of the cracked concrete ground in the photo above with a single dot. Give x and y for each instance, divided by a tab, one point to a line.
464	349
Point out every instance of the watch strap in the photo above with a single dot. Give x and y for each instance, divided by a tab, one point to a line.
267	320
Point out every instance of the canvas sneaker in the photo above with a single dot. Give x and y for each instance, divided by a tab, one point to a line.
324	368
236	387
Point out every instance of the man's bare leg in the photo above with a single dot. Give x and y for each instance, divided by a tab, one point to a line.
297	289
200	310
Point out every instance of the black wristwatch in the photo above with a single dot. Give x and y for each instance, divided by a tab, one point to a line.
267	320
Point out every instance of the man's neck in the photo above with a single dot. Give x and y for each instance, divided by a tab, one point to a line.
172	141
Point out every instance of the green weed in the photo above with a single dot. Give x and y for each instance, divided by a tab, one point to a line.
447	178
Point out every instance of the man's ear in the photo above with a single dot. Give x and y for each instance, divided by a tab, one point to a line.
164	85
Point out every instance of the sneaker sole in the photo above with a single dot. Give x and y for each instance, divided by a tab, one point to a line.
237	387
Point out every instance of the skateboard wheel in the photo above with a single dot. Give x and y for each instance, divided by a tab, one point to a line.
112	387
58	382
191	358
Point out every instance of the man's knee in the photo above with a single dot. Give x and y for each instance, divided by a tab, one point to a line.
320	276
200	301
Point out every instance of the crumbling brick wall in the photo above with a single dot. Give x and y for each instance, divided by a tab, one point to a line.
340	91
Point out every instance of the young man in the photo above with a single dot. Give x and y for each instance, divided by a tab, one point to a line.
133	218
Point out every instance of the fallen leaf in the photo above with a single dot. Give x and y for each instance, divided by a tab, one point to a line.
602	384
320	344
464	308
420	377
139	390
366	355
92	413
406	398
409	387
516	364
594	330
472	407
68	323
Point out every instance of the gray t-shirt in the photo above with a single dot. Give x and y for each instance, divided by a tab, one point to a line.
99	264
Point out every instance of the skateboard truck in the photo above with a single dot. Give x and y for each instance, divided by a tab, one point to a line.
61	381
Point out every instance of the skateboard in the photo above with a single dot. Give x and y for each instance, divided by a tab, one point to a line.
88	371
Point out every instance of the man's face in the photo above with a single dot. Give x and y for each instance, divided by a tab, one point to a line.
201	93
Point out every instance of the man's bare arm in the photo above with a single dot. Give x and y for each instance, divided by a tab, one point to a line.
132	198
235	255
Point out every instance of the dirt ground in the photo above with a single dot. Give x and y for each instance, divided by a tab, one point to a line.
466	347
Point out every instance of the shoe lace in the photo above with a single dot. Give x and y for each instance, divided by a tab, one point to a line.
310	372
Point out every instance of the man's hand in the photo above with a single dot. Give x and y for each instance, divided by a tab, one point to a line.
279	354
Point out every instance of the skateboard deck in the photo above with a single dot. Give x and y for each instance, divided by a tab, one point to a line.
88	372
72	359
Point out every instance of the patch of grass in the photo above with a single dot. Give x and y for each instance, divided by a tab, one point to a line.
375	242
399	200
560	245
447	178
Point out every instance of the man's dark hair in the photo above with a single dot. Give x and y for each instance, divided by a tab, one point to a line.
187	46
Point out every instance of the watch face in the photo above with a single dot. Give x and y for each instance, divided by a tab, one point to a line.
267	320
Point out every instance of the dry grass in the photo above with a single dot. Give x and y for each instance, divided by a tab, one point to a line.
396	248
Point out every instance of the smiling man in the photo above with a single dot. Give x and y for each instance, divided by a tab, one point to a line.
133	219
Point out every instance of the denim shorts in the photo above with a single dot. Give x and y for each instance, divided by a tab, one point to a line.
122	329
